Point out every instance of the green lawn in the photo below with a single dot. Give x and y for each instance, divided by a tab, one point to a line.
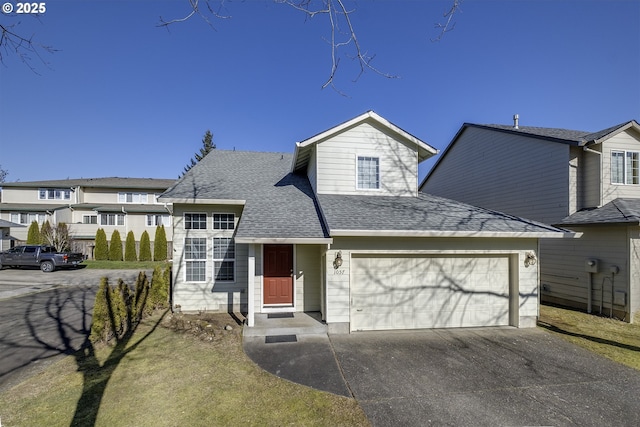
123	265
168	378
611	338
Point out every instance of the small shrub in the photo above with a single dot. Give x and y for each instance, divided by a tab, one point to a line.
115	247
102	247
145	247
130	248
159	292
160	244
101	324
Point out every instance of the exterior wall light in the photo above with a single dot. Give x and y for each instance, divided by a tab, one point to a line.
337	263
530	259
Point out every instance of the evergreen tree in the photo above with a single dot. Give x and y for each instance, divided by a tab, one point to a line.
115	247
102	247
207	146
160	244
130	248
33	235
145	247
45	230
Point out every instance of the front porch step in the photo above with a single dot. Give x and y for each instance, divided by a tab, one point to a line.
299	324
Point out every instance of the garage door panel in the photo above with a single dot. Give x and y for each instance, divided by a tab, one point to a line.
429	292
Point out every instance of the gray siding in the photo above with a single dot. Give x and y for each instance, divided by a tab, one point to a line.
622	141
312	172
336	162
634	273
509	173
590	177
564	278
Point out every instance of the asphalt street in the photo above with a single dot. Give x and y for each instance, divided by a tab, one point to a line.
44	316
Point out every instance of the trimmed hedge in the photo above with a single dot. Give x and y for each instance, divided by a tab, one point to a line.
130	248
145	247
115	247
102	247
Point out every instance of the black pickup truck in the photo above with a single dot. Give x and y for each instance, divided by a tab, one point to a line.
43	256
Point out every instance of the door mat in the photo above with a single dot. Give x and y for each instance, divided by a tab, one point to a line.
271	339
280	316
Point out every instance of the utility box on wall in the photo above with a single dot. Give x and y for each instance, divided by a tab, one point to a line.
591	265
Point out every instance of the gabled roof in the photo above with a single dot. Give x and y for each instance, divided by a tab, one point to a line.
304	148
278	205
565	136
8	224
425	215
112	182
619	211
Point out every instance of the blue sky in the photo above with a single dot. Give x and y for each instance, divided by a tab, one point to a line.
123	97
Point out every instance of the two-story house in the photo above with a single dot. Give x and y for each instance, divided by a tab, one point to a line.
588	182
339	227
123	204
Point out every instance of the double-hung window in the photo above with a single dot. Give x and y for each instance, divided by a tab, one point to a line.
111	219
625	167
224	259
368	173
195	256
54	194
195	221
154	220
223	221
132	198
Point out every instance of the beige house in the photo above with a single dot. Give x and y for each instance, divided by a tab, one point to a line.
339	227
123	204
588	182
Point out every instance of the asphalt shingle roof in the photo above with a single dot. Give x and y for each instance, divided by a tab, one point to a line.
423	213
618	211
112	182
279	204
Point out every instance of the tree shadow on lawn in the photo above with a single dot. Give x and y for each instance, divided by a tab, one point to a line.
598	340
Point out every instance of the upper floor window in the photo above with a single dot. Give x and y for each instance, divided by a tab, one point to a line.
195	221
223	221
368	172
54	194
154	220
111	219
132	198
625	167
89	219
27	218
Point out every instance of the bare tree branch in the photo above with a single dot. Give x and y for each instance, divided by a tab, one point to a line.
448	25
195	10
24	48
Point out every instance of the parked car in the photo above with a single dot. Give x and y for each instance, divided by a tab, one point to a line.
44	256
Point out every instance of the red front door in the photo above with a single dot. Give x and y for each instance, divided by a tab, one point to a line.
278	274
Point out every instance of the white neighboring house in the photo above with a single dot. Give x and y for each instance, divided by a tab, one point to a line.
588	182
339	227
86	204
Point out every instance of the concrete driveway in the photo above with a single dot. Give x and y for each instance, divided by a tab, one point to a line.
466	377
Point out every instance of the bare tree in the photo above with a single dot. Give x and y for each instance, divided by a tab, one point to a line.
448	24
3	174
57	236
25	48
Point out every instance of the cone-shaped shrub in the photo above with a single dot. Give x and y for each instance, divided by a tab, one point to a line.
159	292
115	246
141	297
101	322
102	247
33	235
160	244
145	247
130	248
45	230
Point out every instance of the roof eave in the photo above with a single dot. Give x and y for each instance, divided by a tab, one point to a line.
451	233
194	201
285	240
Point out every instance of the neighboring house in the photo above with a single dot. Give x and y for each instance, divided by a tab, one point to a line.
588	182
6	239
339	227
123	204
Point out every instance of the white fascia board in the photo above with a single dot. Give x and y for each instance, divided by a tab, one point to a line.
437	233
190	201
284	240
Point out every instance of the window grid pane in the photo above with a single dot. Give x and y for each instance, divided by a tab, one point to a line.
195	221
224	253
632	168
368	172
223	221
196	271
223	270
195	248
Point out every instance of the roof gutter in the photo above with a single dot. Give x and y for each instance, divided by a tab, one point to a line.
285	240
440	233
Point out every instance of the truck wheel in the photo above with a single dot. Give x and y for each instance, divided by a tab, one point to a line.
47	266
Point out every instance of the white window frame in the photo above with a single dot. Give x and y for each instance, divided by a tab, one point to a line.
626	157
229	219
119	219
218	261
26	218
54	194
152	220
184	220
190	260
364	157
133	198
86	219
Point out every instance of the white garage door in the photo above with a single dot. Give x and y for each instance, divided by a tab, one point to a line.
408	292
